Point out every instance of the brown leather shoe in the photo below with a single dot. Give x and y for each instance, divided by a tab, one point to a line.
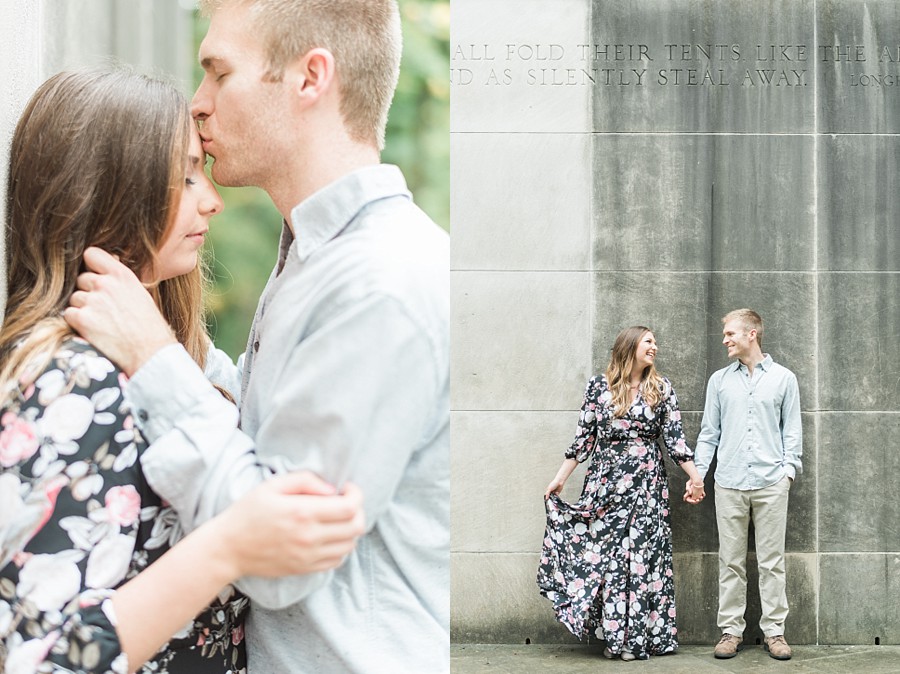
778	648
728	646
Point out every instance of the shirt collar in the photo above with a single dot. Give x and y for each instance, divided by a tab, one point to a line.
326	213
765	363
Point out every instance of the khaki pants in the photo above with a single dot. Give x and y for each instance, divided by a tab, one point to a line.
768	509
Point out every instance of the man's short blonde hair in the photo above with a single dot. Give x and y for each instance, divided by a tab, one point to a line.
750	320
363	35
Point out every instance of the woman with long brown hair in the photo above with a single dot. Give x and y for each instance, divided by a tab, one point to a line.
91	576
606	562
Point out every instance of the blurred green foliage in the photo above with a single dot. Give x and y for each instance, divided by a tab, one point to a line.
243	241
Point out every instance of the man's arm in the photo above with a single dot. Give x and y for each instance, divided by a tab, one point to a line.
350	403
792	429
710	428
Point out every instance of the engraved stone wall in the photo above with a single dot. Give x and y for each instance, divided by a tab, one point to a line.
663	163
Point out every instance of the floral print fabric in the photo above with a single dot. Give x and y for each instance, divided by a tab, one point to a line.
77	519
606	562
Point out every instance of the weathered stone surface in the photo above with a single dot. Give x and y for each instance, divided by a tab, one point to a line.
672	202
858	468
20	74
546	226
697	596
495	600
859	353
516	454
696	592
858	210
858	66
859	599
786	302
711	67
685	310
526	340
151	34
41	37
670	304
500	61
705	197
801	534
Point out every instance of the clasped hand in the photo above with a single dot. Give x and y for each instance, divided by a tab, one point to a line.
293	523
112	310
694	493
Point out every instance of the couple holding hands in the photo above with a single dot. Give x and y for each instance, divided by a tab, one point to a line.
606	562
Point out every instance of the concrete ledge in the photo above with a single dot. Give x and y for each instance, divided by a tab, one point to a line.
580	659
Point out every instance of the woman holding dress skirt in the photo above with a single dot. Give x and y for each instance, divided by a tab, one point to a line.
606	562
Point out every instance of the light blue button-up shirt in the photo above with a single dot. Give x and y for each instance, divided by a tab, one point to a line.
753	426
346	374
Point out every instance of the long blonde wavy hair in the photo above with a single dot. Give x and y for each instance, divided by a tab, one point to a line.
98	158
618	372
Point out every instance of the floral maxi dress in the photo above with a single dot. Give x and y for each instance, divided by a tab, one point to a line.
78	519
606	562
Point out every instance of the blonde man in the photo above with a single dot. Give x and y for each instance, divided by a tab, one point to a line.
751	421
347	367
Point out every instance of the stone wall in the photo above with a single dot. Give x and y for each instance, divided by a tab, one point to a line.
41	37
662	163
